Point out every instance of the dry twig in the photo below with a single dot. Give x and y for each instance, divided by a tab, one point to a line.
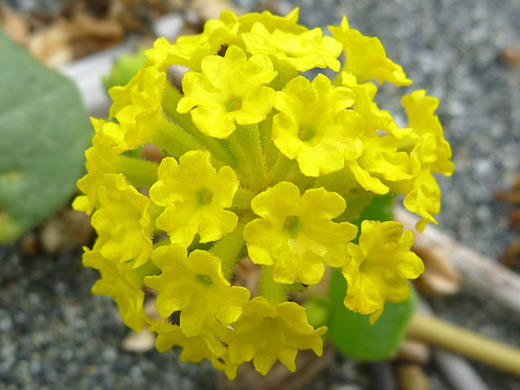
460	374
464	342
475	270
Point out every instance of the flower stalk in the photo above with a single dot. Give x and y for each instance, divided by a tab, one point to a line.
435	331
273	292
245	144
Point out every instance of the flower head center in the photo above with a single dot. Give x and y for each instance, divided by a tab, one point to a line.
306	133
291	222
204	279
205	195
234	105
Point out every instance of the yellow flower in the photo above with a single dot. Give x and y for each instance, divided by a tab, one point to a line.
314	126
380	164
381	158
431	153
420	110
287	23
378	161
123	221
378	268
190	50
194	195
303	51
366	58
296	233
364	104
424	199
107	144
137	106
365	179
229	89
121	282
266	334
195	349
196	287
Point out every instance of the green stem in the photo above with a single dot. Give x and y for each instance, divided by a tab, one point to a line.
173	139
464	342
147	269
171	97
297	177
228	248
138	172
215	146
242	199
245	144
280	168
275	293
270	150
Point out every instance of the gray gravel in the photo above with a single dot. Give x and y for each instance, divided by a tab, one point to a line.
55	335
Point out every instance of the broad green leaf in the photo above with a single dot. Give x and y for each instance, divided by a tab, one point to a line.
43	135
352	333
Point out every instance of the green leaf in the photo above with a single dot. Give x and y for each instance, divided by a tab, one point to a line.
43	135
380	209
352	333
318	311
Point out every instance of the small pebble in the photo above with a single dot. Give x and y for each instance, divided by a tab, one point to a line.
66	231
510	56
413	351
29	244
347	387
411	377
6	322
139	342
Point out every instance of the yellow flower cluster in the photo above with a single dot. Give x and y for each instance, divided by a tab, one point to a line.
258	164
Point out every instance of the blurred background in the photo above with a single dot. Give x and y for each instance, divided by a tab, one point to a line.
55	335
